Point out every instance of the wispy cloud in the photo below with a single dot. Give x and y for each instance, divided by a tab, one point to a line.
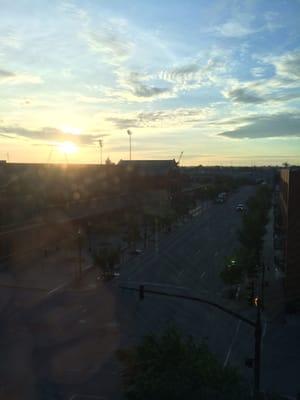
235	29
277	125
18	78
4	74
243	95
46	134
176	118
287	65
111	42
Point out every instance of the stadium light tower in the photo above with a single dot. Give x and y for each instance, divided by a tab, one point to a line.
101	146
129	134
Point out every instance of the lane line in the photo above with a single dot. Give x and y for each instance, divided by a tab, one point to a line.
202	275
232	343
56	289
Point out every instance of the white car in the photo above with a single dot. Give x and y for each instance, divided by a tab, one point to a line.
240	207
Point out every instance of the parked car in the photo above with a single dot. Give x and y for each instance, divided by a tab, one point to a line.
136	252
240	207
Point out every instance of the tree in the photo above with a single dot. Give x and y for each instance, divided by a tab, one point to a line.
233	272
171	367
106	259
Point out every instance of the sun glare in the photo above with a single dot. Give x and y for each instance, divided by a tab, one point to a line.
67	147
70	129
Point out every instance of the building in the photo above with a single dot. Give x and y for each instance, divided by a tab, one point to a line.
289	200
151	184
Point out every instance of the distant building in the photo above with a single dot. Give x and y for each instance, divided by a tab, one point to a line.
289	198
151	183
163	171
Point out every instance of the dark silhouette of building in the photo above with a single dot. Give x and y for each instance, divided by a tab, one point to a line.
289	196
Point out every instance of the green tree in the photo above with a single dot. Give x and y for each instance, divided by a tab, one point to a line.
106	259
170	367
232	273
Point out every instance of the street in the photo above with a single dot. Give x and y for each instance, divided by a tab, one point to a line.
62	342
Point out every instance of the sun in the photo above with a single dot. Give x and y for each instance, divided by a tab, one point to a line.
67	147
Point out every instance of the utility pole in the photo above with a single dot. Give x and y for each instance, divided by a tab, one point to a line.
257	354
256	325
129	134
263	286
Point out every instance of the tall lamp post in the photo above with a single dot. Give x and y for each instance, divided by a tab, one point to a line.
101	146
129	134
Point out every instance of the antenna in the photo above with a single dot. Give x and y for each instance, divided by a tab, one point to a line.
129	134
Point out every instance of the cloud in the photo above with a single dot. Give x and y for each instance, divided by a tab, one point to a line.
141	90
193	71
6	74
243	95
258	72
15	79
176	118
46	134
271	20
287	65
181	73
268	126
235	29
111	41
135	86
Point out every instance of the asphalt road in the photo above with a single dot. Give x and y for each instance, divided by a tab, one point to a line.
63	344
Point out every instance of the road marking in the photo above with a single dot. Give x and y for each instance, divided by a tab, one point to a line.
56	289
232	343
202	275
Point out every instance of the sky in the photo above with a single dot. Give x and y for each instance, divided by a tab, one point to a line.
216	79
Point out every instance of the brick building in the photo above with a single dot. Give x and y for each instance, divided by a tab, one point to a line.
289	197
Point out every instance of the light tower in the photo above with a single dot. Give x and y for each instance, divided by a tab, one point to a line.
129	134
101	146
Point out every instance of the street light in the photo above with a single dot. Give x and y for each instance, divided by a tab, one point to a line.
101	146
129	134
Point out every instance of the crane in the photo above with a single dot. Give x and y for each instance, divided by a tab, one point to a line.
179	158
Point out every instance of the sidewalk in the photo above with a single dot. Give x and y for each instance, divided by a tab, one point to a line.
274	304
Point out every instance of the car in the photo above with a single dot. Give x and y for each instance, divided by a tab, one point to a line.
136	252
240	207
219	200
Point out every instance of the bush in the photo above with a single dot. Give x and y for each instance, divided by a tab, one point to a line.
172	367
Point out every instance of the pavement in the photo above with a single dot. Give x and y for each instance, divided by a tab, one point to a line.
281	332
67	340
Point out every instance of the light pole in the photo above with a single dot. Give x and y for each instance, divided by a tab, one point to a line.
129	134
101	146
